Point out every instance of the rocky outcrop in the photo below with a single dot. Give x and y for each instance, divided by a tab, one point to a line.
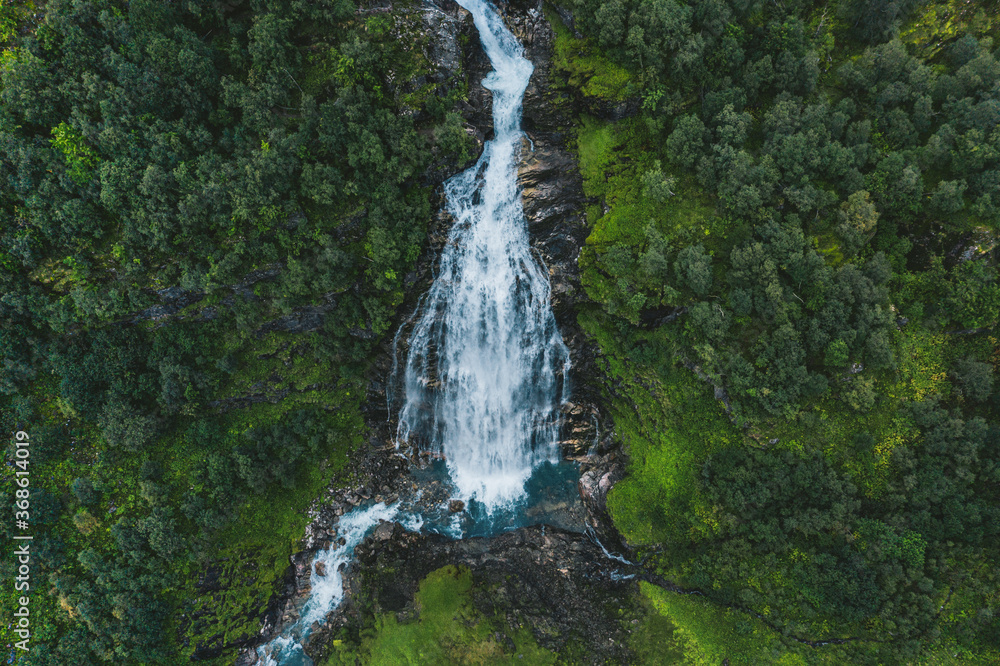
211	587
554	205
559	585
598	475
550	180
457	58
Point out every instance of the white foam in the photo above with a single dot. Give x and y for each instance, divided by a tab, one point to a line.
326	591
487	366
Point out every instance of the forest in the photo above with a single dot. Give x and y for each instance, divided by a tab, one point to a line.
183	183
790	275
803	212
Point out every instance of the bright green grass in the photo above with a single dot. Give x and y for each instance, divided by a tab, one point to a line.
608	163
613	157
710	634
669	423
655	641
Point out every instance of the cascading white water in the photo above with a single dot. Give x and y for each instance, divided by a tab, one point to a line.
486	368
327	591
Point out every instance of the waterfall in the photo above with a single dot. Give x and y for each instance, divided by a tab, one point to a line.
487	366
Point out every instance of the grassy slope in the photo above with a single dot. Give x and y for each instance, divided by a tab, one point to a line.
254	548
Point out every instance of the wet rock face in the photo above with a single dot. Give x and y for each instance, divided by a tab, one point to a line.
552	195
442	22
599	474
548	174
546	110
557	584
454	48
554	205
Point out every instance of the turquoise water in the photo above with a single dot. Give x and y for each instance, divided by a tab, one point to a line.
550	497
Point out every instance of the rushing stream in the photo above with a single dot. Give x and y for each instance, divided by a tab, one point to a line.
326	592
486	371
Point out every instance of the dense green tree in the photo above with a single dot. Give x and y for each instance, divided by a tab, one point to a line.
853	170
253	158
83	490
694	269
974	378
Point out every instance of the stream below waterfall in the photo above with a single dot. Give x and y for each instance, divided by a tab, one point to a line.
485	374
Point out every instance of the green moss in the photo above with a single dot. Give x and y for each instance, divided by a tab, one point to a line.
594	75
934	26
655	640
613	158
669	423
710	634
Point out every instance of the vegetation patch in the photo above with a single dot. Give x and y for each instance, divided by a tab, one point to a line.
588	72
445	628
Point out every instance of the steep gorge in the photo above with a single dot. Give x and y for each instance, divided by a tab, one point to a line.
569	569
